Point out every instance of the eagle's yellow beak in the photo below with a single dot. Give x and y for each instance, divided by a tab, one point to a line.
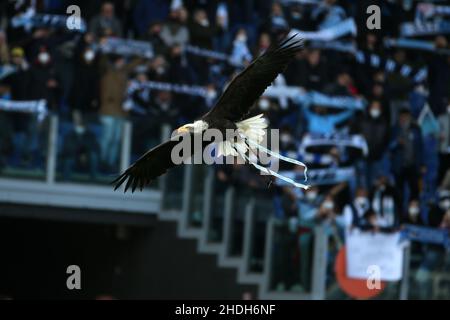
183	129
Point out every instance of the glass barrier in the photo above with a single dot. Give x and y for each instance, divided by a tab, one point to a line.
429	272
88	150
263	210
23	145
241	199
284	274
215	228
195	214
172	189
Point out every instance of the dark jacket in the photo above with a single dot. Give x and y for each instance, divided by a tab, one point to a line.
376	132
400	159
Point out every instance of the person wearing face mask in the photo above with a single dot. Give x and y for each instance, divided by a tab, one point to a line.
413	216
240	54
385	202
374	126
354	212
45	80
83	95
174	32
106	22
308	205
407	154
444	142
80	150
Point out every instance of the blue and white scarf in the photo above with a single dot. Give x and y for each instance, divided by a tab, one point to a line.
38	107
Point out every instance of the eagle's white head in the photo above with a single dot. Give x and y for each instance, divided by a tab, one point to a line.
196	127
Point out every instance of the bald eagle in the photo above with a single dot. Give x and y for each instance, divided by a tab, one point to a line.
230	112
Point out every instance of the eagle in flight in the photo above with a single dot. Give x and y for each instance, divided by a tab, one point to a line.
230	112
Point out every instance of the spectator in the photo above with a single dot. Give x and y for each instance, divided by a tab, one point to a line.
45	80
113	84
374	126
413	215
277	21
406	153
201	30
80	150
4	49
175	31
106	24
355	211
439	77
153	36
385	204
444	145
311	74
84	94
240	55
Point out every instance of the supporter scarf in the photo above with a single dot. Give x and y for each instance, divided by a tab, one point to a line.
29	21
415	45
315	98
172	87
425	235
343	28
412	29
327	176
35	106
340	140
126	47
375	61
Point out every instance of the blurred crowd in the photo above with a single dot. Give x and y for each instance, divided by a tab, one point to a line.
404	177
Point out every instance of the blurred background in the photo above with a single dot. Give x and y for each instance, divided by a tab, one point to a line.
368	110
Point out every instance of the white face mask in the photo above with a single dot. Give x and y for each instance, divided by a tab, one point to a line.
448	109
44	57
89	55
445	204
211	94
80	130
375	113
264	104
311	195
328	205
414	211
242	38
160	70
361	202
285	138
204	23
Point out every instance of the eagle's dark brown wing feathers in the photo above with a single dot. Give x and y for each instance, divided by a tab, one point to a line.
156	162
151	165
250	84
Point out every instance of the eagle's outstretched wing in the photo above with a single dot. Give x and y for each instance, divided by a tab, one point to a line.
250	84
154	163
151	165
